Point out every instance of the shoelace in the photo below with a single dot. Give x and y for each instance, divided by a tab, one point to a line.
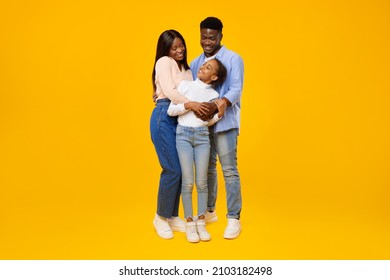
201	228
193	229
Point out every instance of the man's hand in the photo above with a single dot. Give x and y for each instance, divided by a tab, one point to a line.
208	111
197	107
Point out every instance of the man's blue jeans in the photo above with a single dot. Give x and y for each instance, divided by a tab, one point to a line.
163	133
225	145
193	147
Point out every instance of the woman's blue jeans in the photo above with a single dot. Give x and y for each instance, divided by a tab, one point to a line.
163	133
193	147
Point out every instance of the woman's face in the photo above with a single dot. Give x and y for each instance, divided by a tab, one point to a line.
177	50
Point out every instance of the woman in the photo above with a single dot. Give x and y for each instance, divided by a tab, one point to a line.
169	69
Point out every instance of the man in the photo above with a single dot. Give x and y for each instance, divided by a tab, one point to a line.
223	135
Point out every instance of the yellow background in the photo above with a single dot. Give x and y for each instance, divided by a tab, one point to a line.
79	175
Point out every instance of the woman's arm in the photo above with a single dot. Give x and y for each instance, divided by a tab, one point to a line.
164	76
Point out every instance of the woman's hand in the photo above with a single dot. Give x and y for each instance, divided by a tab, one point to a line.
155	95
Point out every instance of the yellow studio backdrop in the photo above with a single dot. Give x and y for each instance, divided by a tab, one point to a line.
79	174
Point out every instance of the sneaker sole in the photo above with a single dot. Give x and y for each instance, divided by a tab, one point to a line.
205	240
178	229
193	241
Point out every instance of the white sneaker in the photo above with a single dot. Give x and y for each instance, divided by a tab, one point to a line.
211	217
233	229
202	231
162	227
191	233
177	224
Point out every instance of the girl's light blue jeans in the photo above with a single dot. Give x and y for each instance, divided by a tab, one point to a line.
193	147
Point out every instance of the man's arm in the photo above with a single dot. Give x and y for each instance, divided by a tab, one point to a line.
212	109
236	81
221	104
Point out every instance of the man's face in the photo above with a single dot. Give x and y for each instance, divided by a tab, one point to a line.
210	40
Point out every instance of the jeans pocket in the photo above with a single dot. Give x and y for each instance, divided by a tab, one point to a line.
180	131
204	133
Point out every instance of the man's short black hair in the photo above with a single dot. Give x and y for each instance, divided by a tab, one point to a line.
211	23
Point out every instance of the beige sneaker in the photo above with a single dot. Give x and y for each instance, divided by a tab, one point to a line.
211	217
202	231
177	224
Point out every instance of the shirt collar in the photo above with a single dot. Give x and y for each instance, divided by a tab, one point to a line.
202	84
217	55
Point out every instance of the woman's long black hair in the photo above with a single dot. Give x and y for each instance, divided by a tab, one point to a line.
164	45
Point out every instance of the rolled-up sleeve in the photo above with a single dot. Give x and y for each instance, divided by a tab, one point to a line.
236	80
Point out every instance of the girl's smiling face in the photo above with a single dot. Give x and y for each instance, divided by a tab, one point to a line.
208	72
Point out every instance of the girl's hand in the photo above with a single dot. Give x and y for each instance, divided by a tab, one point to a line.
221	104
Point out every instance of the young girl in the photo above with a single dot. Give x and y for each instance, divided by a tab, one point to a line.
193	143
